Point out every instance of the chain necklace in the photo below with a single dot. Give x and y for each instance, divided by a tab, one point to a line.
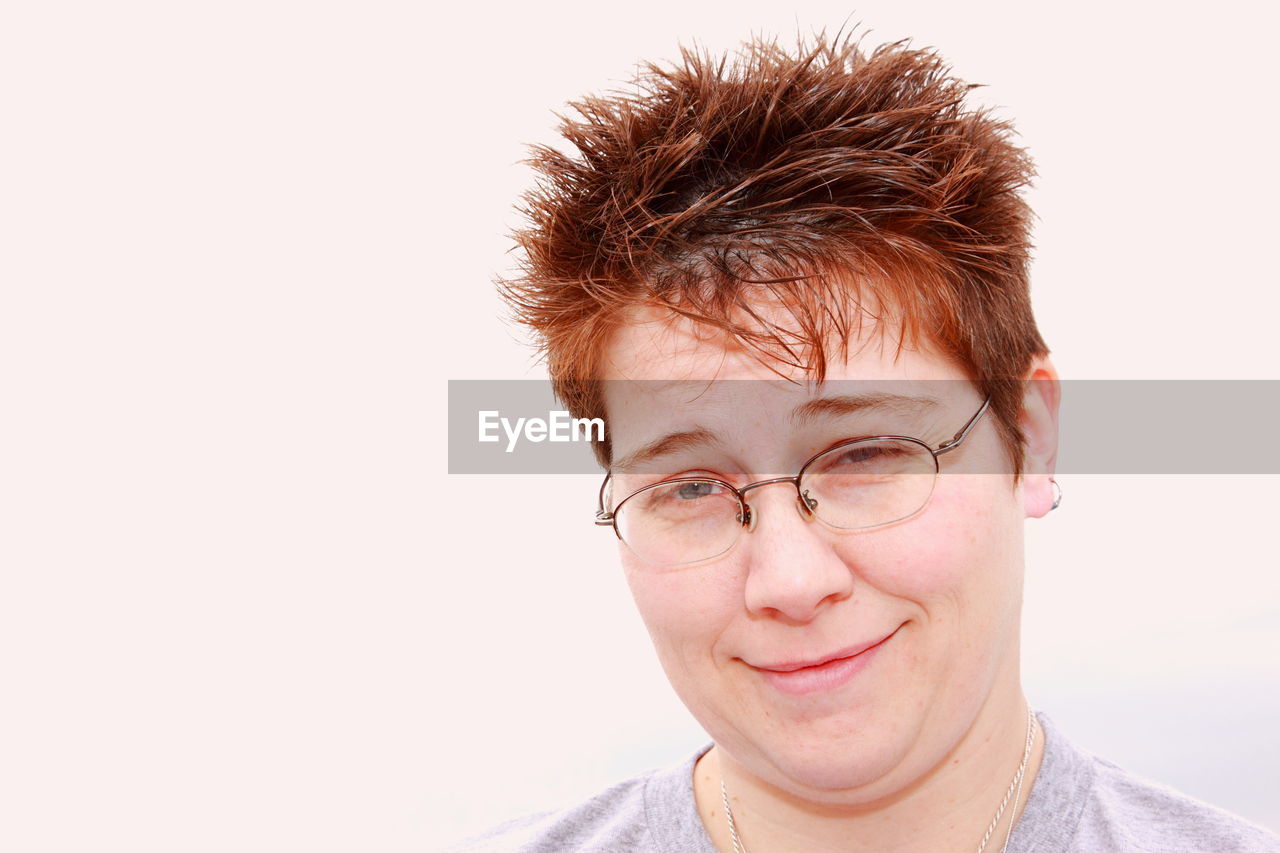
1015	791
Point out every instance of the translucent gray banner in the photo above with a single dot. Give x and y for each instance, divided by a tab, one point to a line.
1182	427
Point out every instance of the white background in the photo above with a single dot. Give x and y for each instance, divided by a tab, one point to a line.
245	244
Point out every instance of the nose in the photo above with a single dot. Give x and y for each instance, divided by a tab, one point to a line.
793	568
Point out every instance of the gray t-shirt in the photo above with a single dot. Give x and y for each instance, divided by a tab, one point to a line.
1078	804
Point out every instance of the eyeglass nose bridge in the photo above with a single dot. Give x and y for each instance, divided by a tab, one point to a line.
805	505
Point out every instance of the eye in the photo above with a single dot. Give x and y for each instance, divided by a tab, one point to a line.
860	453
869	459
692	491
864	456
686	497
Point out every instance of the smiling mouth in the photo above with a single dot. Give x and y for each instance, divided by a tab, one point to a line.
821	674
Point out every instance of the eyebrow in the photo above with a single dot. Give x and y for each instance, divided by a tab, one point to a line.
822	407
841	405
669	443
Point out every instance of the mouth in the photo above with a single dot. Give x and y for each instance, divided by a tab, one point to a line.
823	673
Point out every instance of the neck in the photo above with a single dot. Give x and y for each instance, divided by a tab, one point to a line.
947	809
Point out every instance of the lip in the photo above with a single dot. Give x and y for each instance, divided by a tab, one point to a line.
823	673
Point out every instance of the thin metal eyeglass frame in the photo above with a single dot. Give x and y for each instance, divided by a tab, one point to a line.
605	518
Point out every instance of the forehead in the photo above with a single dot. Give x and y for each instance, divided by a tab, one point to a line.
673	385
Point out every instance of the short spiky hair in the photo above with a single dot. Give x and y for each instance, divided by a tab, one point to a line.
827	181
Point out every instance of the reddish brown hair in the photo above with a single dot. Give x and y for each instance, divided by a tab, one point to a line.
825	181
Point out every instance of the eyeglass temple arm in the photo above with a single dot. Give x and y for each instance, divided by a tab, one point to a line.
603	518
964	431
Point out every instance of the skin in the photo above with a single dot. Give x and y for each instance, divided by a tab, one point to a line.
915	752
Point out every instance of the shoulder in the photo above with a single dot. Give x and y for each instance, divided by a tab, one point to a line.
641	813
1080	803
611	820
1137	814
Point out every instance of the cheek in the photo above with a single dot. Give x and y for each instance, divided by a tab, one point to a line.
966	542
685	610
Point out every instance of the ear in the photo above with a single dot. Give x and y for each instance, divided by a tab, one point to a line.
1039	422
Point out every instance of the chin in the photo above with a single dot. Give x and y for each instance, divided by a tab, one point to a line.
834	767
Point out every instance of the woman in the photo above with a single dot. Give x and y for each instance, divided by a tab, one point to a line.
795	287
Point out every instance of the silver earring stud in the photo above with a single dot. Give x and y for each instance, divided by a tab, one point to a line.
1057	494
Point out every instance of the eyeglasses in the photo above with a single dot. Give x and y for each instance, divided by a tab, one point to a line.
858	484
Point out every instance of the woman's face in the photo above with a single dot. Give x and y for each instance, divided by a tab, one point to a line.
921	617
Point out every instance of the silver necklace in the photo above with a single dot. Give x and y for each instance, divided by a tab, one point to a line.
1015	791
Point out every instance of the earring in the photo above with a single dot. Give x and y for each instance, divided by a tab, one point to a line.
1057	494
